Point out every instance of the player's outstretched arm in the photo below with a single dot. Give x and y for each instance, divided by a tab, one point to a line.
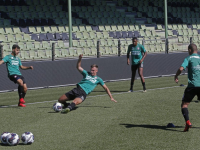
108	92
1	62
78	66
25	68
177	74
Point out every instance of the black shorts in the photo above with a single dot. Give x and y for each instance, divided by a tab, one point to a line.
135	67
190	93
15	77
76	92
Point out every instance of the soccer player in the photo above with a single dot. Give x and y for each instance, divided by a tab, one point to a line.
89	82
192	62
138	53
13	63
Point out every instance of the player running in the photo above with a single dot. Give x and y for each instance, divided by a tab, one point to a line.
138	53
13	63
86	86
191	62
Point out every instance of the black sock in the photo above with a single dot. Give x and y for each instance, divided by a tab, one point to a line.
66	104
131	88
71	106
185	113
20	91
143	84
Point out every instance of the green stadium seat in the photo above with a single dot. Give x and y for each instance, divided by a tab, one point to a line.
41	54
19	38
88	28
11	38
99	35
2	31
47	29
27	38
9	30
45	45
62	29
29	46
6	47
57	53
92	35
75	43
82	43
38	46
54	29
65	52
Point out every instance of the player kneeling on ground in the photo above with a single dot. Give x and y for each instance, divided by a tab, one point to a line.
13	63
86	86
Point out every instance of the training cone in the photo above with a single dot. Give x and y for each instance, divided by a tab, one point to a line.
170	125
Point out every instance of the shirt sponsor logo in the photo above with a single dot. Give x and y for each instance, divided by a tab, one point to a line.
15	63
91	79
135	52
196	67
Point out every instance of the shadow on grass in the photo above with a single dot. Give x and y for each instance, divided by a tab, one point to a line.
95	106
110	91
154	127
7	106
21	144
59	112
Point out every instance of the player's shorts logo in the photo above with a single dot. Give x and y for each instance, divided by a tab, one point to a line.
15	76
82	97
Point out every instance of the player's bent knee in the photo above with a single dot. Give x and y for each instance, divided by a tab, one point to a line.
77	101
20	82
62	99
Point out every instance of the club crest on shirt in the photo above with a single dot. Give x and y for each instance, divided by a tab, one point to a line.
11	57
138	48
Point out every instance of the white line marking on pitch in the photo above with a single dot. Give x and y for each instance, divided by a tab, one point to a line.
96	96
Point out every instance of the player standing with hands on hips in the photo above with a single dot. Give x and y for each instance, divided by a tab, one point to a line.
191	62
13	63
138	54
86	86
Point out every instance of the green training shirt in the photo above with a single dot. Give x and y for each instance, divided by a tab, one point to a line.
12	64
192	62
136	53
88	83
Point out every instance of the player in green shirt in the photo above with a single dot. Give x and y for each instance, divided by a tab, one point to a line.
138	53
192	62
13	63
86	86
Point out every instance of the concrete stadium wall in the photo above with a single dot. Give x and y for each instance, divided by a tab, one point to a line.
62	72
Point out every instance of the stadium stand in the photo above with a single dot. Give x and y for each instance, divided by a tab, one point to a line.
36	24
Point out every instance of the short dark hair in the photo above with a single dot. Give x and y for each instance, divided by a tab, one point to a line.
94	65
15	46
193	47
134	38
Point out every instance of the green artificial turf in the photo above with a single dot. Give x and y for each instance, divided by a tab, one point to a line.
137	121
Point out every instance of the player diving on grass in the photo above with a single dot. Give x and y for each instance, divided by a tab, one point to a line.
138	53
192	62
86	86
13	63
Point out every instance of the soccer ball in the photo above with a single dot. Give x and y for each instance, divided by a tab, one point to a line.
57	107
13	139
4	137
27	138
